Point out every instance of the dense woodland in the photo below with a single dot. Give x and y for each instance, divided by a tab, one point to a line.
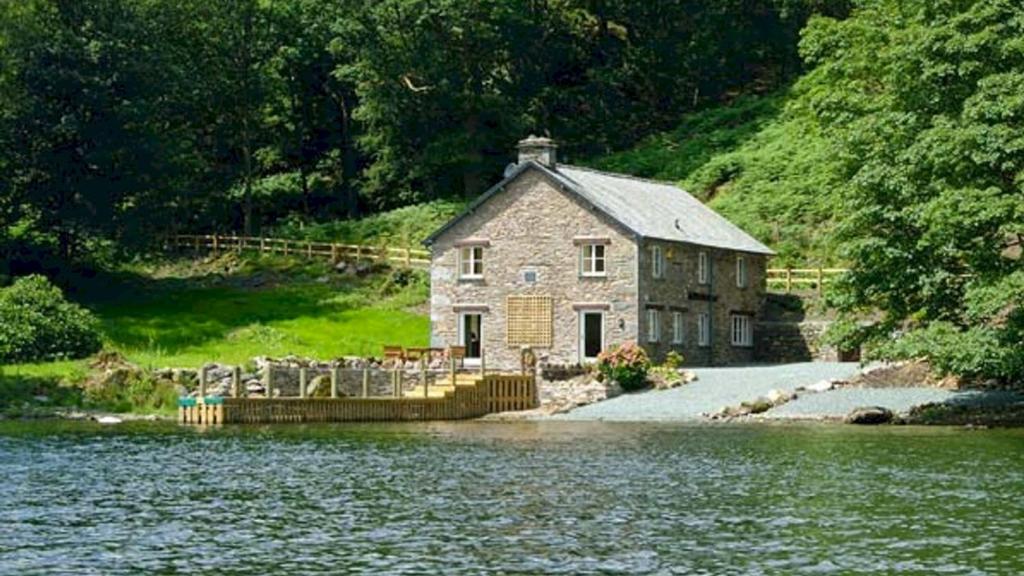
885	135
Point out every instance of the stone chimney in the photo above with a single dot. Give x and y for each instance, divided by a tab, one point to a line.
539	149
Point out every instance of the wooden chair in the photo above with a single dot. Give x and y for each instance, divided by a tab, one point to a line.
458	353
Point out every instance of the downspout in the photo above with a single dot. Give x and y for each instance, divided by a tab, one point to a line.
711	308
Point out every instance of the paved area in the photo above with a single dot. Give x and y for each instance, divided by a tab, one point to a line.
714	389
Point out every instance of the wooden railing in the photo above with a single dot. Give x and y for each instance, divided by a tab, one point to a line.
492	393
335	252
789	280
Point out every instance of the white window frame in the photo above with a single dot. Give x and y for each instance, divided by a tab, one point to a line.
657	262
592	259
703	330
653	325
741	271
581	322
702	267
473	257
742	331
678	328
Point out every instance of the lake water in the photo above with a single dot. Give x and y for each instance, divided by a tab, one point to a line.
532	498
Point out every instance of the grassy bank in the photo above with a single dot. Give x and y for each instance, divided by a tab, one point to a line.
184	313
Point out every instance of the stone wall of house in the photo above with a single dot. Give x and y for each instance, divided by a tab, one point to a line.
679	291
780	342
531	226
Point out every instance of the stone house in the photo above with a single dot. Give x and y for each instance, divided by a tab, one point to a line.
570	261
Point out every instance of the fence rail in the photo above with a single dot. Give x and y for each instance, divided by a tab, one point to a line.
335	252
802	279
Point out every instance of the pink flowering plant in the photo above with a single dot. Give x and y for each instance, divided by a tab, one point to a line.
627	364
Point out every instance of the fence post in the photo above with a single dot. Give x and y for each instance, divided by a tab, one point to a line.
408	258
202	382
239	241
789	280
263	245
396	382
303	377
423	377
334	253
366	382
819	282
309	249
268	381
197	245
335	375
236	381
215	243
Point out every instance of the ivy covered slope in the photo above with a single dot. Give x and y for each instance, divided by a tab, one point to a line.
762	162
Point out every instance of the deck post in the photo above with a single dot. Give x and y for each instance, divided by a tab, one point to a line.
395	376
366	382
451	369
303	377
423	377
236	381
268	381
335	375
202	382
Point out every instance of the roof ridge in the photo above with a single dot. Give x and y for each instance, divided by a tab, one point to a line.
621	175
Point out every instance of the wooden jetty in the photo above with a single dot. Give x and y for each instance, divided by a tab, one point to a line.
461	397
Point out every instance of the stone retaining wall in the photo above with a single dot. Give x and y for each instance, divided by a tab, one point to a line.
783	342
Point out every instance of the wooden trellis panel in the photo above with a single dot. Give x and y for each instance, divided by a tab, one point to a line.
529	321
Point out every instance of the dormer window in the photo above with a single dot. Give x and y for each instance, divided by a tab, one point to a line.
471	262
592	259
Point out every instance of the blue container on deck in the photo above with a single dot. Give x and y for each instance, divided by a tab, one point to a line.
186	402
213	400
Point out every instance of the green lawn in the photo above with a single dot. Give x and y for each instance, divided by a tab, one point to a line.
180	314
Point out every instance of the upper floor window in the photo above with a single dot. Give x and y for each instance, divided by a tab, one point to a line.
677	328
471	262
657	262
742	331
741	272
592	262
703	268
653	325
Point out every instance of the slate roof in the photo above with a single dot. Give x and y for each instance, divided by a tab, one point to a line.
649	209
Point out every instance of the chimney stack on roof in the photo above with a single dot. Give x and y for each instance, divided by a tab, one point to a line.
539	149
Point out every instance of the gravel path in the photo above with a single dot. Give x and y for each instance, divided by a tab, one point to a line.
714	389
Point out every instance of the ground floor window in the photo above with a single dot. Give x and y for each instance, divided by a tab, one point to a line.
677	328
653	325
703	329
742	331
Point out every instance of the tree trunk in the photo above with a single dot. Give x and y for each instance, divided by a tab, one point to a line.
347	168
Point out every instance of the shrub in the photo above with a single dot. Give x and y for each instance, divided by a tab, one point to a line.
674	359
37	323
627	364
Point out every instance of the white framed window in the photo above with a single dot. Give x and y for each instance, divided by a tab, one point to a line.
471	262
742	331
657	262
677	328
702	268
703	329
741	272
592	259
653	325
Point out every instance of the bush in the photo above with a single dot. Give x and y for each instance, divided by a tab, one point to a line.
674	359
627	364
37	323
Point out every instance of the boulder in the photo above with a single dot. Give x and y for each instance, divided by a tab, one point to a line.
778	397
869	415
820	386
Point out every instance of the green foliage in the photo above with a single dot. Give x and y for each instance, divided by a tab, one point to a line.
131	390
37	323
673	360
626	364
408	226
924	104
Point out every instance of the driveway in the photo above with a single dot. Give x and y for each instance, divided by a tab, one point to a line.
714	389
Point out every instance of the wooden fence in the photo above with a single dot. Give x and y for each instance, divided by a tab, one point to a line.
491	393
789	280
335	252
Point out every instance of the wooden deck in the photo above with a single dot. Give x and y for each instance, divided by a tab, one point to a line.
462	399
